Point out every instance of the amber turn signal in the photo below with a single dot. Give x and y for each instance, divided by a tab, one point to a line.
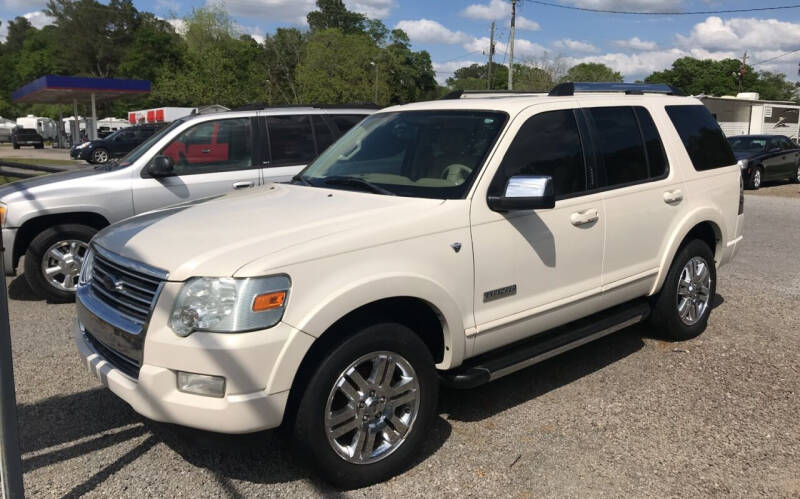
268	301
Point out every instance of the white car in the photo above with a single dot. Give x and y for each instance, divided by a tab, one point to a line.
456	240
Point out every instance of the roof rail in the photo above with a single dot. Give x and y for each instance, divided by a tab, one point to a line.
458	94
570	88
257	106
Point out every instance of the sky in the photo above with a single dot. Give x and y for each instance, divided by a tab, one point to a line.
456	32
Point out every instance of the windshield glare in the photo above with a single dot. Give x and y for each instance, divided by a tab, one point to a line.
430	154
137	152
748	144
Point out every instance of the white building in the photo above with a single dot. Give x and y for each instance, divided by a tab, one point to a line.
746	114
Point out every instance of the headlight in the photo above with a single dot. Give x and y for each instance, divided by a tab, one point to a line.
82	145
3	211
227	305
86	268
742	163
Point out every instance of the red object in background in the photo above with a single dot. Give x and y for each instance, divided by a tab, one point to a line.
198	152
132	118
159	115
151	116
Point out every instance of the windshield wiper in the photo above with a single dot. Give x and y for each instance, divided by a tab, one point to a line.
356	182
302	179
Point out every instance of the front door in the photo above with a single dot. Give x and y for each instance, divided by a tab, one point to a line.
535	269
210	158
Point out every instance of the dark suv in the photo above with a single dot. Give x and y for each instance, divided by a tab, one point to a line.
26	137
115	145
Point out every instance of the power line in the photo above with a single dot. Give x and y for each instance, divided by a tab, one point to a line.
697	12
776	57
461	56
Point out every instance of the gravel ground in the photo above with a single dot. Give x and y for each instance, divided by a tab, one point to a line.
779	189
628	415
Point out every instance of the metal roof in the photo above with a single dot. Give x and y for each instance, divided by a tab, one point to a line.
52	89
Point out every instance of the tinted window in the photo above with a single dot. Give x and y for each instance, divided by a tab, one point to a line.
656	157
619	145
547	144
322	132
290	140
345	122
748	144
701	136
212	146
786	143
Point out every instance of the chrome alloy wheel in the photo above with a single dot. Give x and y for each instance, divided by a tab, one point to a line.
61	263
797	177
372	407
100	156
757	179
694	290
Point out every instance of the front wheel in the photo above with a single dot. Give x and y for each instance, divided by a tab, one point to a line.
54	258
756	178
796	177
369	405
682	307
100	156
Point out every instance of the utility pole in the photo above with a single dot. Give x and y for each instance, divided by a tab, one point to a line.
373	63
491	53
511	46
742	70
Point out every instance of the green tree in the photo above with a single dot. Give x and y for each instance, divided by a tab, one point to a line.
334	14
474	77
592	71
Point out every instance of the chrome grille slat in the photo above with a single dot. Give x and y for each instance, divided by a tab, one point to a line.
136	275
139	314
144	281
145	292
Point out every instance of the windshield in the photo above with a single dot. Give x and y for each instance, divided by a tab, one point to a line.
137	152
428	154
747	144
111	135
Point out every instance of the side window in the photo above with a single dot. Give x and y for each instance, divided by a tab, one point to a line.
619	145
547	144
785	143
345	122
701	136
656	157
322	132
212	146
290	140
775	144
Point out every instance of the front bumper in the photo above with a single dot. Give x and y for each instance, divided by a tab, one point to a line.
83	154
9	235
259	368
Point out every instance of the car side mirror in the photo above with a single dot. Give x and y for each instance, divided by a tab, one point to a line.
524	192
161	166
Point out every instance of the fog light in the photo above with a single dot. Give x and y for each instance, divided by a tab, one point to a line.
201	384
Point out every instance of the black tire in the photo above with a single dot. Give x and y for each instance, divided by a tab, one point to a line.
97	155
751	182
36	250
15	146
665	316
39	146
796	177
309	424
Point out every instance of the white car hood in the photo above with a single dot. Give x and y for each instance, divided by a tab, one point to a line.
279	223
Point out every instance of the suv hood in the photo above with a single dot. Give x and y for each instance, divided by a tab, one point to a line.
24	189
278	225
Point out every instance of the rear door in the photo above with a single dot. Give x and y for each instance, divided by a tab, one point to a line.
232	162
291	146
792	155
774	163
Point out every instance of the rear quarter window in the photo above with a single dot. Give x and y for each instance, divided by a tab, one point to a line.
701	136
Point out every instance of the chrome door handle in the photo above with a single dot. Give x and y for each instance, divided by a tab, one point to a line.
584	217
205	151
675	196
242	185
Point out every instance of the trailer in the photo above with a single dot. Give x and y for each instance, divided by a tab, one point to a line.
46	127
746	114
158	115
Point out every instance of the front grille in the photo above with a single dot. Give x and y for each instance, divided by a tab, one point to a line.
129	291
125	364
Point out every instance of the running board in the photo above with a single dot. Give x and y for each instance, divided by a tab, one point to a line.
493	365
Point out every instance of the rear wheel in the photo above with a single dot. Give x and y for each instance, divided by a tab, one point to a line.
368	406
54	258
796	177
756	178
682	307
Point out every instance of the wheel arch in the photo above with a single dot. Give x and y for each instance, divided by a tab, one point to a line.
34	226
706	225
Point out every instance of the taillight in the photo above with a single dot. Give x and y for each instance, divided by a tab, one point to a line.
741	195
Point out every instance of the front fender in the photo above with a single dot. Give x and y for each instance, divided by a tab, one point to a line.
315	315
693	218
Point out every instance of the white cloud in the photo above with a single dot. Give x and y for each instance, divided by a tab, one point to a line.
254	31
428	31
742	33
498	9
629	5
635	43
295	11
38	19
374	9
178	24
16	5
445	70
574	45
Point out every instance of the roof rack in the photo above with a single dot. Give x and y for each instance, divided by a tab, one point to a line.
257	106
570	88
458	94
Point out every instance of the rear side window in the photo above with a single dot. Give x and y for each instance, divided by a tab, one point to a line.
701	136
345	122
547	144
619	144
290	140
322	132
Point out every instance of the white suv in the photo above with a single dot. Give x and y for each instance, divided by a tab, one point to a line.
457	240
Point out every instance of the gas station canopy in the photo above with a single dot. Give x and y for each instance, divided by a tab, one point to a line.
66	89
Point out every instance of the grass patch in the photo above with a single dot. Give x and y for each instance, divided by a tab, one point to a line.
41	161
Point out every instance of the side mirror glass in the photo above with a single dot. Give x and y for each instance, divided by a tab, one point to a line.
161	166
524	192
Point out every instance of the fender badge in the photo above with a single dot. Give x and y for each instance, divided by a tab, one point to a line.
456	247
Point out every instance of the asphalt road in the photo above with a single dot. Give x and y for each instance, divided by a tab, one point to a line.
629	415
